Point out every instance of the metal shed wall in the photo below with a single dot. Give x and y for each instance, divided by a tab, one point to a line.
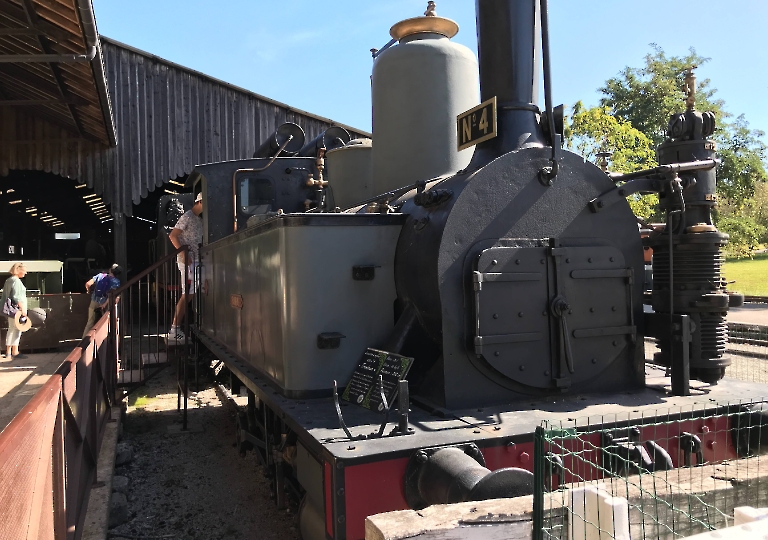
168	119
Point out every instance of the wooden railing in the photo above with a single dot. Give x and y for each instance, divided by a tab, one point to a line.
49	451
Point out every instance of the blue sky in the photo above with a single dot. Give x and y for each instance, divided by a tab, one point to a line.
315	55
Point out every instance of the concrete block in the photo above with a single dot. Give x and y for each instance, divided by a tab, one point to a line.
97	515
748	514
496	519
757	530
593	514
614	517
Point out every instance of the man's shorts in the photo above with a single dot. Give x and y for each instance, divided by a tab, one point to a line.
190	279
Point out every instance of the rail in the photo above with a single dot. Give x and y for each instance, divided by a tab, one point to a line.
48	452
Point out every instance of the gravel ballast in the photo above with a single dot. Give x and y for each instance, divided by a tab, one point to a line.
194	484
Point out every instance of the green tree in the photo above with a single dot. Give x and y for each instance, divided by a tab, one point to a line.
742	156
595	130
646	97
744	234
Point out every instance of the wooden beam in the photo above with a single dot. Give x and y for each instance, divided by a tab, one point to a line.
21	31
18	16
32	18
72	100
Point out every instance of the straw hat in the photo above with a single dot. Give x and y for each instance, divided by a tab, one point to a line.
23	326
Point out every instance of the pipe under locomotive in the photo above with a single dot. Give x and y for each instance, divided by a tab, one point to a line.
512	275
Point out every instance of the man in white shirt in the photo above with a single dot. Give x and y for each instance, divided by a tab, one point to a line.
188	231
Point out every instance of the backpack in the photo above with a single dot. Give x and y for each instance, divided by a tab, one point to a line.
102	286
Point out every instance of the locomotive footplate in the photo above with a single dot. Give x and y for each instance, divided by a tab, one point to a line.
348	480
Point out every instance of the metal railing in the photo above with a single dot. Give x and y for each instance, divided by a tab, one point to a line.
49	451
141	323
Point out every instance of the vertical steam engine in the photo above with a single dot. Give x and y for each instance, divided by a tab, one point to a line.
687	255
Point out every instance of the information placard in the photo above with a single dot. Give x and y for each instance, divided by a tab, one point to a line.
363	387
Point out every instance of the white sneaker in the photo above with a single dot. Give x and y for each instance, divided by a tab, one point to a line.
176	336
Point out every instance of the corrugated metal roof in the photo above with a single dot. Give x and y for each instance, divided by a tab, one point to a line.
168	119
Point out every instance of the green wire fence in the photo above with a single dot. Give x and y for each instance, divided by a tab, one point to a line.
661	474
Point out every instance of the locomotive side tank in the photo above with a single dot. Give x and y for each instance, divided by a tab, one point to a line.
299	297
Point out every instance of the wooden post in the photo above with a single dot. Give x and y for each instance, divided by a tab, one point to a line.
121	241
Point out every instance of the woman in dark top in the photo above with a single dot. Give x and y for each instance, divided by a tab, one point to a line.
17	292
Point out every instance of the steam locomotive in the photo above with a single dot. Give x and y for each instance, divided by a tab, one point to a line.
462	264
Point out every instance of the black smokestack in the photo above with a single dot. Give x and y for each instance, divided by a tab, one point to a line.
507	36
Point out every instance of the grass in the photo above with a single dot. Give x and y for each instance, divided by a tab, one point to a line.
139	401
751	275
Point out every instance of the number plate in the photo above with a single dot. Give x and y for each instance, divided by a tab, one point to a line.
477	124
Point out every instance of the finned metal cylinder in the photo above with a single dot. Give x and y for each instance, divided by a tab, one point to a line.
418	88
348	171
333	137
273	143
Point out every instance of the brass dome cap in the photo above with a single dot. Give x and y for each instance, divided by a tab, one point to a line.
420	25
430	23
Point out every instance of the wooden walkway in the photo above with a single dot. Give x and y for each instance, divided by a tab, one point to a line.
20	379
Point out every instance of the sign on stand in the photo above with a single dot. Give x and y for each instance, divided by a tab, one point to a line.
363	388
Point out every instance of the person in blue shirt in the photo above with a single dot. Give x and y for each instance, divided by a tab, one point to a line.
102	284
